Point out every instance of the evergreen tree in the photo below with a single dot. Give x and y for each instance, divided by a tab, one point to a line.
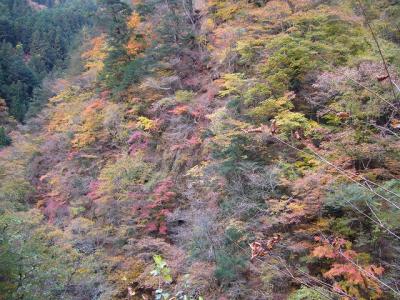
19	97
112	16
5	140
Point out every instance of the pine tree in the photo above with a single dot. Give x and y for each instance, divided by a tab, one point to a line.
18	100
5	140
113	16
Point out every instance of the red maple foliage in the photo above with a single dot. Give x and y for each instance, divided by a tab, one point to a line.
94	190
345	267
154	213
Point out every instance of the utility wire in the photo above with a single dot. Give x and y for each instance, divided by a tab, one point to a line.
360	268
360	84
382	128
288	272
379	49
355	181
347	174
380	224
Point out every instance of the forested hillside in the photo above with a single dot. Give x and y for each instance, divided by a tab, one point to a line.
193	149
35	39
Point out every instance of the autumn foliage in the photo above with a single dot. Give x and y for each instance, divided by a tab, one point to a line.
345	270
207	150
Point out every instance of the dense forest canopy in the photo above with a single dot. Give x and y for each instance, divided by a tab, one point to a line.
191	150
33	43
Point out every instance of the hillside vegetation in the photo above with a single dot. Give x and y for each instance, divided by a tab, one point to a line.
192	150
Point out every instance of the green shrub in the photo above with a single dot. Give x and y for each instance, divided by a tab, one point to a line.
343	226
229	267
15	192
338	198
234	84
33	265
291	60
183	96
230	260
305	293
388	28
231	154
269	108
256	94
288	122
331	119
294	55
120	177
305	163
225	10
348	200
248	50
5	140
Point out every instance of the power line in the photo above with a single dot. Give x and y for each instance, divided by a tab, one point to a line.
380	224
360	268
347	174
344	173
379	49
314	103
360	84
290	274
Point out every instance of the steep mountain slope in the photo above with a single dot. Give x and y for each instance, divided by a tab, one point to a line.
213	150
